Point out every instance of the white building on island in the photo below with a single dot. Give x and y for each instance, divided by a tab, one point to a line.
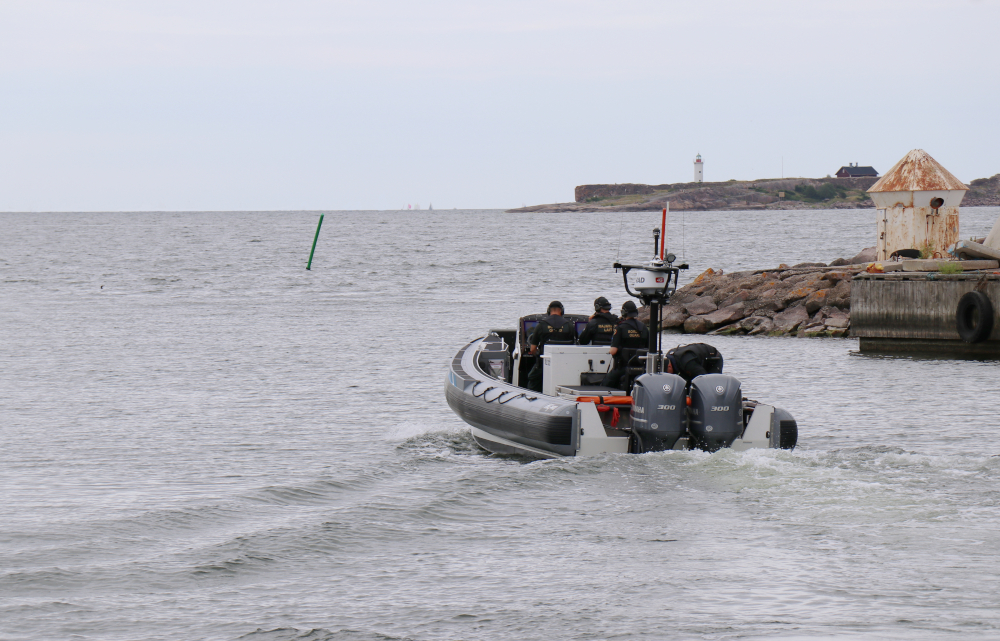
917	202
699	175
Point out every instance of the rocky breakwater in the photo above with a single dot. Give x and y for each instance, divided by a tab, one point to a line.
808	299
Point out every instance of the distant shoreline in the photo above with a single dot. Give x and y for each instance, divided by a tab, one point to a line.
743	195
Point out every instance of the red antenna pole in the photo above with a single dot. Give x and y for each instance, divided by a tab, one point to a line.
663	235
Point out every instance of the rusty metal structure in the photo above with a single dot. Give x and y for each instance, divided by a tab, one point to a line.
917	202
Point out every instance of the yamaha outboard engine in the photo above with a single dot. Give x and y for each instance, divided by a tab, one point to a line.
658	412
716	411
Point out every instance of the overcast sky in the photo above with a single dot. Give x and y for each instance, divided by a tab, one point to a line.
299	104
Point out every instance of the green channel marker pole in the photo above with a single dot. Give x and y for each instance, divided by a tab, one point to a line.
309	266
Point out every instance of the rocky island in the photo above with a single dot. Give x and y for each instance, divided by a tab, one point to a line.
808	300
770	193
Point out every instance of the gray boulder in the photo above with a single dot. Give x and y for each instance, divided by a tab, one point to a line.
725	315
740	296
866	255
767	307
840	322
788	320
817	299
674	319
758	325
696	325
836	277
701	305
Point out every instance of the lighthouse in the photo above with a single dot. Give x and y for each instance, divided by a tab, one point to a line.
699	166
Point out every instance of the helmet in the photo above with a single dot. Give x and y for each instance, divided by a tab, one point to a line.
628	308
601	303
557	305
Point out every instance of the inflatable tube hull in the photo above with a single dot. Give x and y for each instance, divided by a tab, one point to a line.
510	419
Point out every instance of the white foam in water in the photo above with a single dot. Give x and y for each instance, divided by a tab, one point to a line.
408	430
416	431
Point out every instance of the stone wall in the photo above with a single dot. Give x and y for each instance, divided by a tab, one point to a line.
809	299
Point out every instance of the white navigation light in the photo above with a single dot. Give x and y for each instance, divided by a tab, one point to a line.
649	282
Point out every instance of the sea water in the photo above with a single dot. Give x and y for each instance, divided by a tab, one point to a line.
199	439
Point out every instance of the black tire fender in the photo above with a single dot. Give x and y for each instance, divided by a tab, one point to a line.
974	317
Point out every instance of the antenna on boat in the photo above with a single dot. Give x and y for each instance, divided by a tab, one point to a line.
655	282
621	224
663	245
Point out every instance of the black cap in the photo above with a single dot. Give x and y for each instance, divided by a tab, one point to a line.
628	307
556	304
601	303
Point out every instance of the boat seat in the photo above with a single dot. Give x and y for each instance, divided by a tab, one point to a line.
529	326
634	367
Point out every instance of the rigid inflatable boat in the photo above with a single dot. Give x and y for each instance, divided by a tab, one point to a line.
575	415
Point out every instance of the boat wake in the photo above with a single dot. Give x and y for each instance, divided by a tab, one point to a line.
435	441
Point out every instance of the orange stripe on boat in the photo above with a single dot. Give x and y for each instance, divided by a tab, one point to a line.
606	400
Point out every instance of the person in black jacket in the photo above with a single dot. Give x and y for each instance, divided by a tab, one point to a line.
693	360
601	326
551	329
630	334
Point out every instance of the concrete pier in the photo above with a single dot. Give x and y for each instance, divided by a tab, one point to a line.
916	312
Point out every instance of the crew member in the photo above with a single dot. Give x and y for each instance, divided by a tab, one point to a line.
693	360
601	327
551	329
630	335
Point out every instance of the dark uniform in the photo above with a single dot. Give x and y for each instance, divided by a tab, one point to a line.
694	360
553	328
630	334
600	329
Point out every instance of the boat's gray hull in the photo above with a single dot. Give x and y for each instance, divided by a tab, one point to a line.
513	420
506	419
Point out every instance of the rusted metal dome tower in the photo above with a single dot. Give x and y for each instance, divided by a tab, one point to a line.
917	202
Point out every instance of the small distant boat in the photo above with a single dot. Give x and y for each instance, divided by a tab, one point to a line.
430	207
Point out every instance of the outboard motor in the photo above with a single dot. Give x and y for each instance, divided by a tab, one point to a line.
658	412
716	411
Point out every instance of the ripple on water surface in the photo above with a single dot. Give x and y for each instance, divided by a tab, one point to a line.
219	444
